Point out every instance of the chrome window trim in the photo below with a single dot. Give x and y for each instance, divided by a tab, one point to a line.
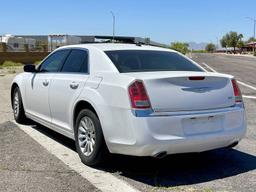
70	49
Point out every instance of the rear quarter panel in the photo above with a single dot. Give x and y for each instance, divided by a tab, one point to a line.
111	102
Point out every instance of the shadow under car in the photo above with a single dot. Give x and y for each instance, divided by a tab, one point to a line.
173	170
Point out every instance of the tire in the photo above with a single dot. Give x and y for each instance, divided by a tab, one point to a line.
17	105
89	139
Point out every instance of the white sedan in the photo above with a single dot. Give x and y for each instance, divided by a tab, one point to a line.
130	99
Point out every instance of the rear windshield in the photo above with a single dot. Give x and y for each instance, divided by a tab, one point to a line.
141	61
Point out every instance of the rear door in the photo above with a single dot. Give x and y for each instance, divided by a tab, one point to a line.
66	86
37	86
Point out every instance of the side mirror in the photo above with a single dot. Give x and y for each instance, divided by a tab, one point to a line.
29	68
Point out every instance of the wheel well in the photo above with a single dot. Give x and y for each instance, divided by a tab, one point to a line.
14	85
82	105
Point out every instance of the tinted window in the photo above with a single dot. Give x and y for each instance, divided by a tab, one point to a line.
76	62
54	61
141	61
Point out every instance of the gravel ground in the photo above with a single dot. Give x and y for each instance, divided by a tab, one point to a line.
5	102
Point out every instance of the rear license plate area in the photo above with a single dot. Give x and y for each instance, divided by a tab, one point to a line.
202	124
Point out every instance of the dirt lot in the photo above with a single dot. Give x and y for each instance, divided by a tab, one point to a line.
5	103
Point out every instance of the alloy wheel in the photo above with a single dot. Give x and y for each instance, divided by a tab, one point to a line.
86	136
16	104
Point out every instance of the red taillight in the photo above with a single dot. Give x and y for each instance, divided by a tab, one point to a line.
138	95
237	92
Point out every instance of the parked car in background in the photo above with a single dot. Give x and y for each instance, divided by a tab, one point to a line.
130	99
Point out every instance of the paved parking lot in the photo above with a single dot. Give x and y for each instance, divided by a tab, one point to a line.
35	164
26	166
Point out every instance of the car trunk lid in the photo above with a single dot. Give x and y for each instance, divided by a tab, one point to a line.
184	91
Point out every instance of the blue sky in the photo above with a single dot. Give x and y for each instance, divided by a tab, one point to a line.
161	20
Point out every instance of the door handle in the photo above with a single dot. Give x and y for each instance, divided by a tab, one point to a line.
46	83
74	85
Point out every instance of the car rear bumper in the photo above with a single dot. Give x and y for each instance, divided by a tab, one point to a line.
174	133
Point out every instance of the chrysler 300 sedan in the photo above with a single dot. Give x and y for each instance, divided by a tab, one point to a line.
130	99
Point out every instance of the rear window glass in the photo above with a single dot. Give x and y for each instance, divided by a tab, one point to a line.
76	62
141	61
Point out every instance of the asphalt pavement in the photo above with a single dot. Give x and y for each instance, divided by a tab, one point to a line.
243	68
26	166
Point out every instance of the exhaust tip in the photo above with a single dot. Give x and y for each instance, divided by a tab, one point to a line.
233	144
160	155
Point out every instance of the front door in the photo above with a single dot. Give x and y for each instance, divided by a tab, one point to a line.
38	85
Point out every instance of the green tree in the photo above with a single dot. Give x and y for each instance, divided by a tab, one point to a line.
210	47
251	39
231	39
180	47
240	44
224	41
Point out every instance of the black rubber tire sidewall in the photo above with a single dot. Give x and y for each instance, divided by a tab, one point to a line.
21	117
100	150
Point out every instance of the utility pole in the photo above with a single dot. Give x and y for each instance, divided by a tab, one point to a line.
254	25
254	21
217	43
114	23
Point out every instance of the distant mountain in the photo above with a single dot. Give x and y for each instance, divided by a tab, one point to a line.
197	46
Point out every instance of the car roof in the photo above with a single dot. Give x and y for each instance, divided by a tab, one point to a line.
117	46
